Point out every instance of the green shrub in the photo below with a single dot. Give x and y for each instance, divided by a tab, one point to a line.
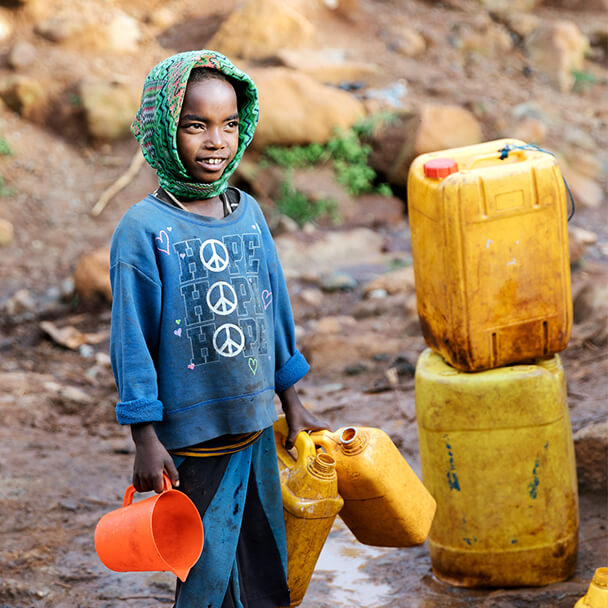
299	207
345	152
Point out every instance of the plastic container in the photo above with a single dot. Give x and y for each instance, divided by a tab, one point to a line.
309	488
490	251
597	594
385	504
163	532
497	454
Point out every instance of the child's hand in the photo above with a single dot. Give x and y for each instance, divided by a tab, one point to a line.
298	417
151	460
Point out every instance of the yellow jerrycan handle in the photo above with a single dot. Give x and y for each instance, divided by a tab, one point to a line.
480	158
303	444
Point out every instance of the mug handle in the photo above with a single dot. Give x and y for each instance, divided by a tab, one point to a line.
130	491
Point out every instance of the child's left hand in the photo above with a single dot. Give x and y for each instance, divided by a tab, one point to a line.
298	417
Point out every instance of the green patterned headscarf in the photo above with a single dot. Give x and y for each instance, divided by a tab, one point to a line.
155	124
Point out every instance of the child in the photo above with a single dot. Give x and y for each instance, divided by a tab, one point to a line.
203	334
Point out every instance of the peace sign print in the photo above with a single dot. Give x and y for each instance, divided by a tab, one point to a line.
214	255
221	298
228	340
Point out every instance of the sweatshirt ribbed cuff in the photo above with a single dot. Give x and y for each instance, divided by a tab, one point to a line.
293	370
139	410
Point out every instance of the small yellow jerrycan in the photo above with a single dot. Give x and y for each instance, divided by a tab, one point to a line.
597	594
385	504
309	487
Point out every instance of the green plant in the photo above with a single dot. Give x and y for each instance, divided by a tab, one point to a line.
346	153
582	80
299	207
4	189
5	149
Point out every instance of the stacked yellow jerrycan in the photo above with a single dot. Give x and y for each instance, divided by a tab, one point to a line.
497	454
597	594
385	504
309	487
490	250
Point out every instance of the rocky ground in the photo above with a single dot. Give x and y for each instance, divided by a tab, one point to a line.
64	461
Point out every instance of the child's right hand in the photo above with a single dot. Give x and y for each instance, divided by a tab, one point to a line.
151	460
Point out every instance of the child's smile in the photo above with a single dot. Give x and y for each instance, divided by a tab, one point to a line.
208	130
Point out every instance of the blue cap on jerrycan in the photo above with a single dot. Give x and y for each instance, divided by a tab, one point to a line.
438	168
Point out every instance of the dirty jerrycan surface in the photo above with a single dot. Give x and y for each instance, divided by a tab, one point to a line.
385	504
597	594
309	488
163	532
490	251
497	454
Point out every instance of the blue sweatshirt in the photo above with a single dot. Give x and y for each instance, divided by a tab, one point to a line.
202	329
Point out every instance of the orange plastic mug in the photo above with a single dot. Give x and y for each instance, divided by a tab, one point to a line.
163	532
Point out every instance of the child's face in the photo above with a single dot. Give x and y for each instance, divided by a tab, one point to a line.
208	130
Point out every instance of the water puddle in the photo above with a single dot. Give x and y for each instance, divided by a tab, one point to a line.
341	565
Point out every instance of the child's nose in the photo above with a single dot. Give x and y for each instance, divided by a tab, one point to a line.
214	138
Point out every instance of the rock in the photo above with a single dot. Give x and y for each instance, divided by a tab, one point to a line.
578	5
162	18
578	240
313	255
482	36
396	281
63	26
434	127
334	325
591	448
123	34
556	50
531	130
22	55
20	303
446	126
23	94
109	107
590	301
258	29
507	6
343	7
337	281
295	109
92	275
6	28
521	23
327	65
7	232
408	41
586	191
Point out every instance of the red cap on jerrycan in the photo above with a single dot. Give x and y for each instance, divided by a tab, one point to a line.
438	168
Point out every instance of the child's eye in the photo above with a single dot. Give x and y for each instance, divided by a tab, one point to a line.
233	124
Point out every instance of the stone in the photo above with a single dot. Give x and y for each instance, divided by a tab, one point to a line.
327	65
434	127
408	41
123	34
24	95
591	448
590	301
295	109
7	232
556	49
63	26
530	130
509	6
446	126
586	191
258	29
578	241
22	55
20	303
396	281
6	28
109	107
337	281
579	5
343	7
92	275
522	24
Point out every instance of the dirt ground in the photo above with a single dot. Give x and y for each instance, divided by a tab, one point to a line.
64	462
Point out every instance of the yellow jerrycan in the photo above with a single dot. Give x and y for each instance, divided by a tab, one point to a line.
497	454
309	487
385	504
597	594
490	249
